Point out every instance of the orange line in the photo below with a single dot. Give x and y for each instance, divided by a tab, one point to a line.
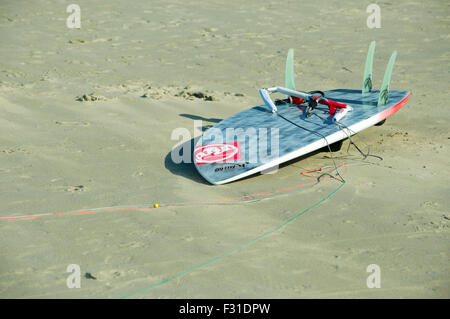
75	213
199	202
311	171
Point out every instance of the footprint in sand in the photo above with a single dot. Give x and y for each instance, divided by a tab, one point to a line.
108	274
66	123
78	188
15	150
138	174
90	98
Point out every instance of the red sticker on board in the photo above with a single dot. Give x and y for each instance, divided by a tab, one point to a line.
216	153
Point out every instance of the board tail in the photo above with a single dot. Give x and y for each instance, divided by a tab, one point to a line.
384	91
367	81
290	84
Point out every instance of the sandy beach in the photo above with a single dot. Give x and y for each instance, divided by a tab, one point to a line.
86	122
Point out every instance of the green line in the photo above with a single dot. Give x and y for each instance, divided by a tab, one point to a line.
367	81
237	248
289	74
384	91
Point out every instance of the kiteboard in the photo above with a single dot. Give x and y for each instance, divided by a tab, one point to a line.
261	138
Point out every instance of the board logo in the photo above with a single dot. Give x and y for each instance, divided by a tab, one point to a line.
216	153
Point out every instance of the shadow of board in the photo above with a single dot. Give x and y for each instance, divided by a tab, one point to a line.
184	169
187	169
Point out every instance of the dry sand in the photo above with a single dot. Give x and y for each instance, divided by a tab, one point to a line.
59	154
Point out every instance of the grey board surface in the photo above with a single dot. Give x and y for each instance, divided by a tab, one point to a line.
295	132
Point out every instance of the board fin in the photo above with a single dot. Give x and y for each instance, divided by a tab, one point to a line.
289	83
367	81
384	91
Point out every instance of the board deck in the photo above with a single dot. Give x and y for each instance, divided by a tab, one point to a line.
222	159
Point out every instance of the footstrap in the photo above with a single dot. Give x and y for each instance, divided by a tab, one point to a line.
332	105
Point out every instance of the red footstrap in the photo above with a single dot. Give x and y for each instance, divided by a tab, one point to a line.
332	105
